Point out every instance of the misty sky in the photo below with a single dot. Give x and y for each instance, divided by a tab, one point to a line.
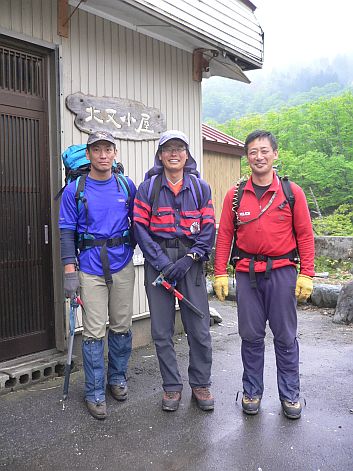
302	30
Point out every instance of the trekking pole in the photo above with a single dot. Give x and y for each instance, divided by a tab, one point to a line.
74	304
160	280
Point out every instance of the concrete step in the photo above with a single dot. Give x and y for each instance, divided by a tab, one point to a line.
24	371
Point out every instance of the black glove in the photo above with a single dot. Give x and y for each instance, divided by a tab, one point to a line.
71	284
179	269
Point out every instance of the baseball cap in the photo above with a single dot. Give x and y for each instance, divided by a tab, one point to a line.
100	136
173	134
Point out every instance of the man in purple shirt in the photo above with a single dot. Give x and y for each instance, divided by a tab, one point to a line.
99	224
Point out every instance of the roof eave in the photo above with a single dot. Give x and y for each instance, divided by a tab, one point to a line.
221	148
245	61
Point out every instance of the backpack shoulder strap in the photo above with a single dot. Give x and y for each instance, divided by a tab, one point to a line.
153	192
80	189
196	190
155	188
241	190
60	192
121	180
79	195
238	194
287	190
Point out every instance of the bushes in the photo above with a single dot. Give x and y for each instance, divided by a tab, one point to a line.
339	223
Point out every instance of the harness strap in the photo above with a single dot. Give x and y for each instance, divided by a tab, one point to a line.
252	273
240	254
268	268
84	244
199	274
173	243
292	255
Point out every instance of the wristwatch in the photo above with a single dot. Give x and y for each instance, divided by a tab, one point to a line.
195	256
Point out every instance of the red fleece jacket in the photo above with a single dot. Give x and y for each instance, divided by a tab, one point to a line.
271	234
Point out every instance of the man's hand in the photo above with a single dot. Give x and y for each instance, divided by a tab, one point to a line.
71	284
178	270
304	287
220	285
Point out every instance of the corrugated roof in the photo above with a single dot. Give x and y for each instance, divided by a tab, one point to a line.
229	23
210	134
228	26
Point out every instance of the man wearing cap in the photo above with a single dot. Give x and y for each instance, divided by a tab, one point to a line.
174	225
104	220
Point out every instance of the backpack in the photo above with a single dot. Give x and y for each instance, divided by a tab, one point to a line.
155	188
77	167
238	194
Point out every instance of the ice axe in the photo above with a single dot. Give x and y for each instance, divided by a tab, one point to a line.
74	304
160	280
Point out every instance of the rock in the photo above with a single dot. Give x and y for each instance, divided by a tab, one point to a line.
325	295
231	289
215	315
344	310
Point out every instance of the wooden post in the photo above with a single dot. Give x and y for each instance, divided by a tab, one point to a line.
63	15
199	64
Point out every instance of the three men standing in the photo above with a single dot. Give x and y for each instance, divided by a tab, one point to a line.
174	225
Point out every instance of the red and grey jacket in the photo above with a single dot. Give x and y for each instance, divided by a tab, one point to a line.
276	232
176	217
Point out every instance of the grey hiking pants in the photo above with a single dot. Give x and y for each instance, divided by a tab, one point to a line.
162	309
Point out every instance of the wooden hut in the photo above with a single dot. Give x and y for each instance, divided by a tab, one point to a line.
221	163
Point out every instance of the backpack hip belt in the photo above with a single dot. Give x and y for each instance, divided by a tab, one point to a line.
240	254
84	244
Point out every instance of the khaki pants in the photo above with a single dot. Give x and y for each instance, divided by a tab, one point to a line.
102	303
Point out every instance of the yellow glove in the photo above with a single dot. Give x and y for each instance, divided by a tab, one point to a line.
220	286
304	287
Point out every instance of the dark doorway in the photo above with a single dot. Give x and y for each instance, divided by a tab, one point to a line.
26	282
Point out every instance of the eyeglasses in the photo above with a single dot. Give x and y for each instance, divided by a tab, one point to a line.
170	150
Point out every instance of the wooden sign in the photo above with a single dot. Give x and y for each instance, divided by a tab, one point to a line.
125	119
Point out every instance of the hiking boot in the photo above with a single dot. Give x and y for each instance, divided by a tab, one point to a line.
250	405
204	398
171	400
292	410
118	391
97	409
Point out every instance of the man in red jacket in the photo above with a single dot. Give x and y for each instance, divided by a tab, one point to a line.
269	237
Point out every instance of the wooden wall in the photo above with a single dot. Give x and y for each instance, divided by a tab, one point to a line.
221	171
102	58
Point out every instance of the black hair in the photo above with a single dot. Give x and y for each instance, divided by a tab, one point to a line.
260	134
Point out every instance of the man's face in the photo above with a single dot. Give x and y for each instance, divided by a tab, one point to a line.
173	155
261	156
101	155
